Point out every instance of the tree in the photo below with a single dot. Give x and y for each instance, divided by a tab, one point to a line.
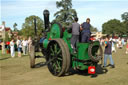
113	26
66	14
125	21
28	26
93	29
125	16
15	27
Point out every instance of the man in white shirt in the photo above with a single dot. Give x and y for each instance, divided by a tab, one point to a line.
25	44
12	48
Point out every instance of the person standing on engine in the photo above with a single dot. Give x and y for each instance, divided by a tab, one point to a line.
75	34
86	33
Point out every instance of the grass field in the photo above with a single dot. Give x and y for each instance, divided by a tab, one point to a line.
16	71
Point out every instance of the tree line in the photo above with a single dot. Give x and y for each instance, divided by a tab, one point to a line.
115	26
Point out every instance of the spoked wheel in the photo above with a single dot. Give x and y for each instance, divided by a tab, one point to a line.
35	53
56	57
95	52
32	55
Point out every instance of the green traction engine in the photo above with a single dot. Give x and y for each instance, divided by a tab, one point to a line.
56	47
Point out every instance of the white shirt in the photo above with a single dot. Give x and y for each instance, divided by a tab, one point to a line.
24	42
18	43
119	42
11	44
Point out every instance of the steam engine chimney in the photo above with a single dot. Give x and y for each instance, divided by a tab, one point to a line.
46	18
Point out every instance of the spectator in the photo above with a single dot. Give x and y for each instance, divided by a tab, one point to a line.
117	40
12	49
113	47
123	42
25	44
127	47
19	46
108	52
120	43
29	43
102	42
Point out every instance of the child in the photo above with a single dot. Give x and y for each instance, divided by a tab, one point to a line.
12	48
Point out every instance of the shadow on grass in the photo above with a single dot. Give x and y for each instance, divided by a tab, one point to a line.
99	70
41	64
5	58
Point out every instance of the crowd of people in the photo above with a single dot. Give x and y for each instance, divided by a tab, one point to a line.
20	45
110	46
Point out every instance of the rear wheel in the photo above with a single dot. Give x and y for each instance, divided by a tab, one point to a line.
56	57
35	54
32	55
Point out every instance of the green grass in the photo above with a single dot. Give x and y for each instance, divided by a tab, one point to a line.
17	71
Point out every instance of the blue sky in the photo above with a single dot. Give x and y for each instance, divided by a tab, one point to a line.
99	11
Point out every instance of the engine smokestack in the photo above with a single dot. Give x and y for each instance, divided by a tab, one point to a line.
46	19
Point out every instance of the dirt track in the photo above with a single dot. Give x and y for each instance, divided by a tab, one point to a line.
16	71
